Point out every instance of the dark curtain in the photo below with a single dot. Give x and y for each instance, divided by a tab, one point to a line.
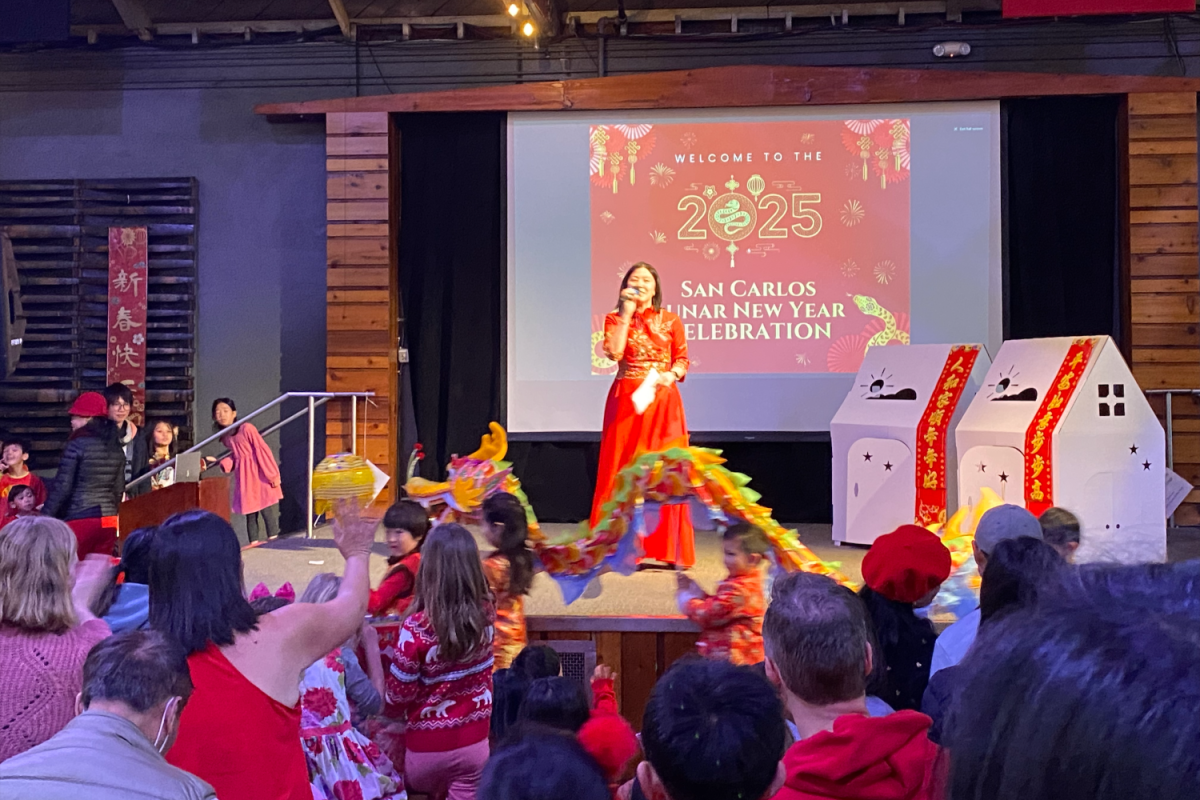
1061	217
794	477
452	267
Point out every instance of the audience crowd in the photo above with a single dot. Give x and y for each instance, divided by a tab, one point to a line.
159	676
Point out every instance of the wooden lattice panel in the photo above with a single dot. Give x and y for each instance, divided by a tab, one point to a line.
59	232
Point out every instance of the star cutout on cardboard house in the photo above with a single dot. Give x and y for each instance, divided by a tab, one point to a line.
1003	477
1133	449
866	456
887	466
1145	465
982	467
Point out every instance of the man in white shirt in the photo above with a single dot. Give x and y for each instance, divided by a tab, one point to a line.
996	525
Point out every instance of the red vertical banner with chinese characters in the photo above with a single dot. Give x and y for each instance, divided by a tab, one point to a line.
1039	436
128	284
933	430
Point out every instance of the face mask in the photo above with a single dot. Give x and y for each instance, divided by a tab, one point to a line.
163	736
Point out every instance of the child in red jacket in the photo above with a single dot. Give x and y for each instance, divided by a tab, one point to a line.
405	525
731	620
15	472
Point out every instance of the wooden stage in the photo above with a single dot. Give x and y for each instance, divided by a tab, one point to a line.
632	625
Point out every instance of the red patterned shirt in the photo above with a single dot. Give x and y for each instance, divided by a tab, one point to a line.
730	620
511	636
655	340
448	703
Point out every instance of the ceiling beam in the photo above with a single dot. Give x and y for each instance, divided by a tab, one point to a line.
742	86
135	17
343	19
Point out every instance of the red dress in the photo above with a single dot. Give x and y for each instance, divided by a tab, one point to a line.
239	739
655	340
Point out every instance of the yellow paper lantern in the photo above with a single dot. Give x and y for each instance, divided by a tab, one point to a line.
343	476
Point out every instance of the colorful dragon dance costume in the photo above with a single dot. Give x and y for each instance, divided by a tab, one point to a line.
651	482
654	481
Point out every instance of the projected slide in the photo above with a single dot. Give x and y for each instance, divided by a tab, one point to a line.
788	240
783	246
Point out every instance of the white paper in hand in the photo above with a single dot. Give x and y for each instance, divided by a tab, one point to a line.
643	396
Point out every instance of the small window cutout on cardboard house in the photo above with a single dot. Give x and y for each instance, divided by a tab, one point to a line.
1102	389
1104	410
1119	410
1118	390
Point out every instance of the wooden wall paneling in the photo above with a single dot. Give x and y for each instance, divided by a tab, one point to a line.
1162	254
639	671
675	647
361	330
59	231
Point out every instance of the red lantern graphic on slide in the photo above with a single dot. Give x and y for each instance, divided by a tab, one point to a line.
783	246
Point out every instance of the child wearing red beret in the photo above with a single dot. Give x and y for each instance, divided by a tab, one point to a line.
903	571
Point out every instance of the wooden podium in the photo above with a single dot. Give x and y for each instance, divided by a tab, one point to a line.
153	508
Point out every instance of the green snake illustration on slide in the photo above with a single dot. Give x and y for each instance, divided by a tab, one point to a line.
868	306
732	217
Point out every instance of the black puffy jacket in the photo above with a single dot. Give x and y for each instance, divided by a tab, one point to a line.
91	474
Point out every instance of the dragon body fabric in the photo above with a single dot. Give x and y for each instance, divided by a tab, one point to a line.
680	474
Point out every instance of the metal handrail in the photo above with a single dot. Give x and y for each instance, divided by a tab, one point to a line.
313	398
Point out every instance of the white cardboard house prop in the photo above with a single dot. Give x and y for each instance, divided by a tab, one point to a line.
893	443
1061	422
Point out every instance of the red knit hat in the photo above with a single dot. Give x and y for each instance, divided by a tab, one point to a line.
906	564
89	404
610	740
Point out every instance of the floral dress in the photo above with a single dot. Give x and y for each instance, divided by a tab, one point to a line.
342	763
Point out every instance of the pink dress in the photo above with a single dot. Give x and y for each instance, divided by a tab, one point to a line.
254	470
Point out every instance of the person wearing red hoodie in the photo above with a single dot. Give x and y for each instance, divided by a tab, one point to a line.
819	656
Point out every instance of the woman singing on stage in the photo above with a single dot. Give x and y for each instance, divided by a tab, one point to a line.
641	336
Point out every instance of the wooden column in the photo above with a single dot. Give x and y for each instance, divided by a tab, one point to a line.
1164	266
362	317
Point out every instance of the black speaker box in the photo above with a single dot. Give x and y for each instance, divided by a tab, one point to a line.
12	325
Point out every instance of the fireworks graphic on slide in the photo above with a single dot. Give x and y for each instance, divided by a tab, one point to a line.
607	217
849	268
852	213
688	140
661	175
884	272
802	359
862	127
658	237
634	131
711	251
